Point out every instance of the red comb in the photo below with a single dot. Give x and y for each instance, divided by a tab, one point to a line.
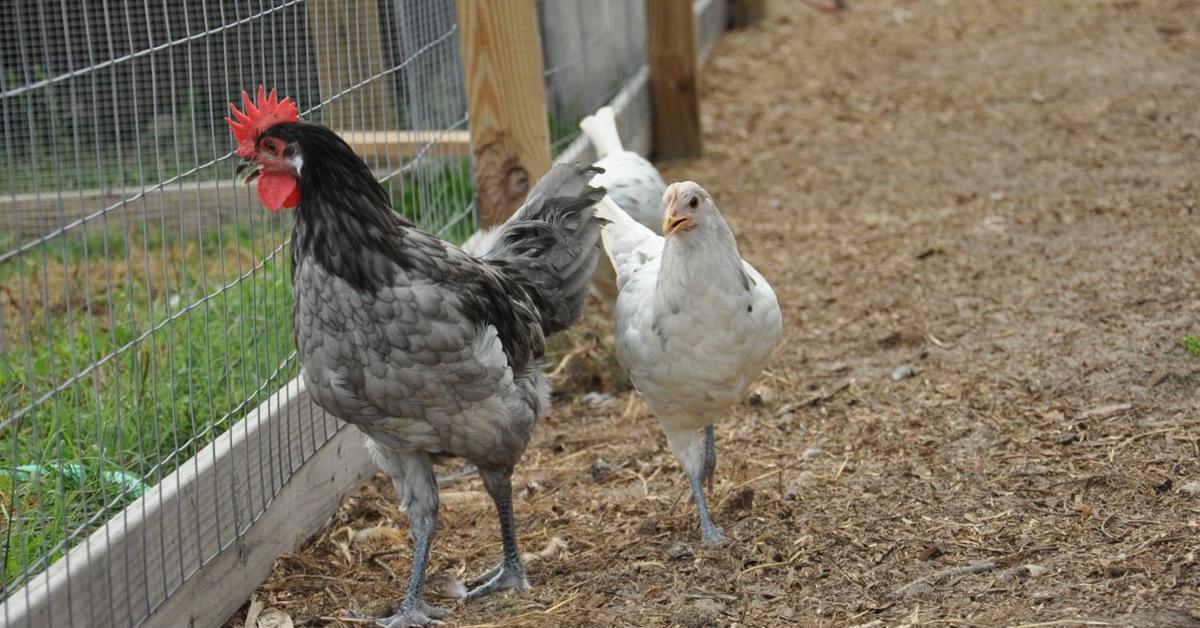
247	126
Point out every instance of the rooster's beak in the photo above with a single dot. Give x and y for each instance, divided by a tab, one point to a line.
247	172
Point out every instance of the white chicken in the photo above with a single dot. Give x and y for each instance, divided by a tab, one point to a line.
695	323
633	183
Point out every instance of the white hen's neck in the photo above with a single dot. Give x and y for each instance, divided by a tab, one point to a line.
694	263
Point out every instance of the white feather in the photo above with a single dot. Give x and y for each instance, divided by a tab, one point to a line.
601	129
695	323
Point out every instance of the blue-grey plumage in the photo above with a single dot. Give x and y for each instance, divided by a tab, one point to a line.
428	350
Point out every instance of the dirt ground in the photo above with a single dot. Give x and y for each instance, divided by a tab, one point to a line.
998	195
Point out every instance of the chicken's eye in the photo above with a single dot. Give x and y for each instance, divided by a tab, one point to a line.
694	203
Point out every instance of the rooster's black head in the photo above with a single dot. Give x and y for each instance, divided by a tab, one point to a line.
293	160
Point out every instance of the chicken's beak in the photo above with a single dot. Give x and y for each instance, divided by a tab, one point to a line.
247	172
673	220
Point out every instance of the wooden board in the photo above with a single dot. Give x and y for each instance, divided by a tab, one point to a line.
192	204
188	552
674	61
506	101
378	146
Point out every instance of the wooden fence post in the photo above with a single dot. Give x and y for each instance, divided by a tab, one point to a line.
674	62
506	100
348	51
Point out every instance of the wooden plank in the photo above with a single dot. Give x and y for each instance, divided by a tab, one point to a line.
672	43
206	535
349	52
744	13
189	204
300	509
377	146
506	100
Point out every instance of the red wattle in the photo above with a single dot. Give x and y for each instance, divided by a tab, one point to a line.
277	191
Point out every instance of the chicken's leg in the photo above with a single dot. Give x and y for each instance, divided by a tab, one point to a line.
689	448
414	472
510	573
710	457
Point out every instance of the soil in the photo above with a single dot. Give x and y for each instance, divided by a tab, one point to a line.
980	219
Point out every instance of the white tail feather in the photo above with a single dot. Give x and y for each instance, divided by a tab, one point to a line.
601	129
623	237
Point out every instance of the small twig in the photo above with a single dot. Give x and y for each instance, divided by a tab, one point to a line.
1114	537
562	604
838	475
1112	453
730	492
562	364
628	411
814	401
936	341
791	559
349	620
1065	622
975	567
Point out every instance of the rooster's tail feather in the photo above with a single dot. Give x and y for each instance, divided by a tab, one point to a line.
550	245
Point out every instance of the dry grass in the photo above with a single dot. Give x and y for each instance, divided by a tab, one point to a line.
999	194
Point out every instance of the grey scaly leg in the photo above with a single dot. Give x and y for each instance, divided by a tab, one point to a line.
710	457
510	573
421	504
709	533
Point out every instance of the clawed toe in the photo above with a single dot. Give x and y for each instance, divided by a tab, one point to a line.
498	579
484	577
716	536
421	614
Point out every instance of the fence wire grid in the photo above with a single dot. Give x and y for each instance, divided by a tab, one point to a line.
145	297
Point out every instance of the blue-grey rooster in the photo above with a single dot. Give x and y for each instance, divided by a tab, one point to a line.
431	352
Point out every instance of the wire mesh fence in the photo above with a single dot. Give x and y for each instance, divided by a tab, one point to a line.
591	50
145	297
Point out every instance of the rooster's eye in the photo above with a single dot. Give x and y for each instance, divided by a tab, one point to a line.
694	203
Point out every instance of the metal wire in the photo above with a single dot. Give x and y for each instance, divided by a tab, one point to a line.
591	50
145	300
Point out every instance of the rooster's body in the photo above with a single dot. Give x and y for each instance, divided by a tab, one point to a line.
429	351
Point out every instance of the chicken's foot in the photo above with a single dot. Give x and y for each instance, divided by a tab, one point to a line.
510	573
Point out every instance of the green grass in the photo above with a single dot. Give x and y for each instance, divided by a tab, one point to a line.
159	398
1191	344
437	197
